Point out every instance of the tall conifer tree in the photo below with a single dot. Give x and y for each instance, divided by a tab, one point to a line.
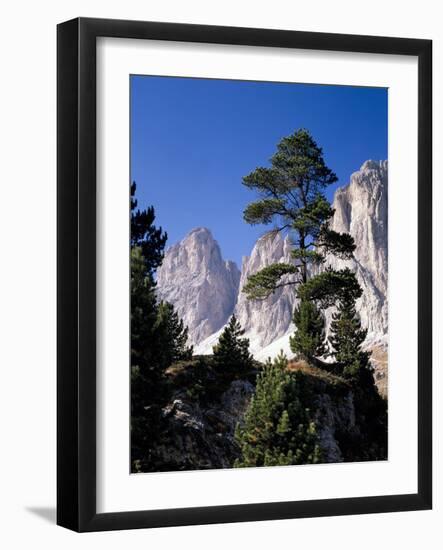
346	339
231	353
291	196
146	369
308	340
172	335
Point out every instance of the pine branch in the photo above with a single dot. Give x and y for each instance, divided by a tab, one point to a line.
266	281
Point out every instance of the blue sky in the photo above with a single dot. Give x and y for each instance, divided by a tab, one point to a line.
192	141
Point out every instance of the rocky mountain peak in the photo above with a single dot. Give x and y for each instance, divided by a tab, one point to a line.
266	319
201	285
361	209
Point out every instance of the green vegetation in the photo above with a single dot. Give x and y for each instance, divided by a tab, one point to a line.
172	335
308	340
278	428
231	353
291	195
346	339
202	381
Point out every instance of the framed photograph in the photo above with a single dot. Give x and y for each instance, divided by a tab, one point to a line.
244	274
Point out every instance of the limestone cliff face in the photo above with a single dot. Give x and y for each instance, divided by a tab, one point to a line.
199	283
265	320
361	209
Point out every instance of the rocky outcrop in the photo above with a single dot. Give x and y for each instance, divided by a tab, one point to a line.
199	283
198	436
333	417
351	424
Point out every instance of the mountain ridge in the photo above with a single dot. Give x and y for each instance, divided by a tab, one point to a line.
196	279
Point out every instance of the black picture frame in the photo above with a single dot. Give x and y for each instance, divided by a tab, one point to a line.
76	265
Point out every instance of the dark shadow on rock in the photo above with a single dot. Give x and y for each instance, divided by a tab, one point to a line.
46	513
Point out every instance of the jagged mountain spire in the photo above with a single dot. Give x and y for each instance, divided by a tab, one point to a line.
201	285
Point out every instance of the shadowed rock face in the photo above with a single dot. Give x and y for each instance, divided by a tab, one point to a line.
199	283
196	436
206	290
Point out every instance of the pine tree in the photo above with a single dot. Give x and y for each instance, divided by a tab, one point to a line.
291	196
145	235
346	339
143	312
147	246
370	408
147	389
277	427
320	292
308	340
231	353
172	335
